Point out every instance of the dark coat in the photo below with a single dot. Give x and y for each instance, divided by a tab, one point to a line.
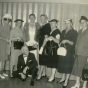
81	47
31	62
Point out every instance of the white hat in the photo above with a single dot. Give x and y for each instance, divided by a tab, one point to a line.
7	16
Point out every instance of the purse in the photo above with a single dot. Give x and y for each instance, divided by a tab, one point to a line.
31	48
61	50
18	44
85	73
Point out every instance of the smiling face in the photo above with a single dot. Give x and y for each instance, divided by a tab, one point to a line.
83	24
19	24
25	50
53	24
6	20
68	24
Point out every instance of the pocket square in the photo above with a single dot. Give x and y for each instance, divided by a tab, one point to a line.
29	60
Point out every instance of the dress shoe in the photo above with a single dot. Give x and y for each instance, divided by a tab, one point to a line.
32	83
51	80
60	81
76	86
64	86
24	80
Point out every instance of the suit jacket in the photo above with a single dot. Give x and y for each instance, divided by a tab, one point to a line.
81	47
31	62
26	29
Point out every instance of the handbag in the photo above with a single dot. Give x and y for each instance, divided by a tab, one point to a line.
31	48
18	44
61	50
85	72
48	50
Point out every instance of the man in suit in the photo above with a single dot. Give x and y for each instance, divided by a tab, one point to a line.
27	64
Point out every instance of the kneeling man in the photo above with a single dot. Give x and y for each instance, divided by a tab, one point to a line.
27	65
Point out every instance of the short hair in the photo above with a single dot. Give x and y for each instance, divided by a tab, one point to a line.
22	49
31	15
44	16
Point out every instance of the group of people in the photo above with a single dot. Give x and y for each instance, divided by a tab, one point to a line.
39	51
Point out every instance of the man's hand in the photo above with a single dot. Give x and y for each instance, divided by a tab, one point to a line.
23	76
25	69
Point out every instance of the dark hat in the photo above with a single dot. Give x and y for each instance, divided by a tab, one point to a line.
18	20
83	18
54	20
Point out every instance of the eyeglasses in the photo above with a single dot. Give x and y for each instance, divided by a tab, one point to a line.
5	19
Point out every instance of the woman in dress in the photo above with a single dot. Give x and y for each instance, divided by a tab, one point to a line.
16	34
51	44
81	51
30	34
4	42
43	33
68	40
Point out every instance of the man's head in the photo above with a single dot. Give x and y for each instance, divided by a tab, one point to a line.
32	18
83	22
25	50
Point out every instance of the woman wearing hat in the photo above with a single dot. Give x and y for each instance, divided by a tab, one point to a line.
16	34
43	33
51	44
4	41
30	34
81	51
68	40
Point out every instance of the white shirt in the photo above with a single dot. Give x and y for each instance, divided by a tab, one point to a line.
25	59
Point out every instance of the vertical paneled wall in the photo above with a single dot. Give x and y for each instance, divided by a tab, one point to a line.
58	11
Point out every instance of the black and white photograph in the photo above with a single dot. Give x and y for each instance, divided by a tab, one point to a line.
43	43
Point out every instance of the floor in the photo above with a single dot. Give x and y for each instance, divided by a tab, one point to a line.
17	83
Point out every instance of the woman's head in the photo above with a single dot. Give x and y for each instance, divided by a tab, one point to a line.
32	18
53	23
69	23
83	22
19	22
7	18
43	18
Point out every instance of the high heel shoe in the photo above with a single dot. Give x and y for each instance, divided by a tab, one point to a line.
51	80
60	81
75	86
39	78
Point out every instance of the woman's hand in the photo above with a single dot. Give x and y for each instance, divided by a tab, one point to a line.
67	41
49	38
64	41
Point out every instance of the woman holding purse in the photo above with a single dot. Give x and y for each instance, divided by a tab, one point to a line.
16	35
68	40
51	44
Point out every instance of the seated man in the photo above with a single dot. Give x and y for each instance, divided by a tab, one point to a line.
27	65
